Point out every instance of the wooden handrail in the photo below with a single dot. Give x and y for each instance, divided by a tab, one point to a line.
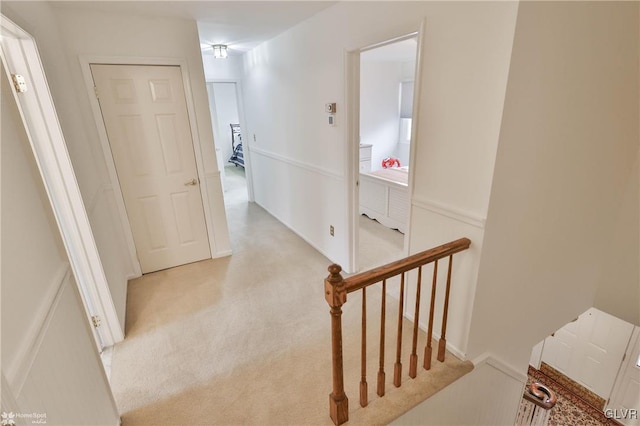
336	290
364	279
540	395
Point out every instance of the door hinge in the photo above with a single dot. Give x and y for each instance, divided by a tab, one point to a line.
19	83
95	90
95	320
624	357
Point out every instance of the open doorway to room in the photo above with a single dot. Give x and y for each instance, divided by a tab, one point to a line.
224	103
228	138
387	75
592	367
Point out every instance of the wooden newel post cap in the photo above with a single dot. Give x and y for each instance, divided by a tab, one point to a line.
334	272
334	290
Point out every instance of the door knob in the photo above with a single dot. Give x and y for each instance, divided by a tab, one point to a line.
192	182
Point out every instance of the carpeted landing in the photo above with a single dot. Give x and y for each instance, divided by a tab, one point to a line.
246	340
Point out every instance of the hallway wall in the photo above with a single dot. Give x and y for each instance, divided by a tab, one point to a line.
565	177
38	18
50	364
56	29
298	161
147	36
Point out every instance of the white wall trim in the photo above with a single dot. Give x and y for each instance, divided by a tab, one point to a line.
37	110
18	371
490	359
449	211
223	253
296	163
352	156
415	128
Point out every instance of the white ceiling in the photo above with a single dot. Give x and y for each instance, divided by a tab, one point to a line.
240	24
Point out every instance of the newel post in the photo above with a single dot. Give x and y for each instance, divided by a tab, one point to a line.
336	295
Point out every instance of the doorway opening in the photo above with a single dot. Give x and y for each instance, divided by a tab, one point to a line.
386	83
232	151
228	136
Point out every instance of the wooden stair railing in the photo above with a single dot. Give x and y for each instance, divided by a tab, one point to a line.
336	290
537	405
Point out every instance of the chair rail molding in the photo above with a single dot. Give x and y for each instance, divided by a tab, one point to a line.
451	212
300	164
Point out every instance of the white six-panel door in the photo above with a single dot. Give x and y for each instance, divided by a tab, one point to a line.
589	350
145	116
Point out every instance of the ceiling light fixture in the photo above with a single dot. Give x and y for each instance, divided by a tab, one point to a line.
219	51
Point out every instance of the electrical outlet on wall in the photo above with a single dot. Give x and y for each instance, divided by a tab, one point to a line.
331	230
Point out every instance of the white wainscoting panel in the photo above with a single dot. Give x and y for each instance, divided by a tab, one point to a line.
428	230
303	198
17	371
489	395
62	348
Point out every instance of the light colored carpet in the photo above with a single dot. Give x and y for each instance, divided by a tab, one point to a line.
246	339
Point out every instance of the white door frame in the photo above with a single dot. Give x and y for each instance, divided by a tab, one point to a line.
617	392
85	64
20	55
352	137
246	143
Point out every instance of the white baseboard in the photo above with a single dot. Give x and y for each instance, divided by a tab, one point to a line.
223	253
